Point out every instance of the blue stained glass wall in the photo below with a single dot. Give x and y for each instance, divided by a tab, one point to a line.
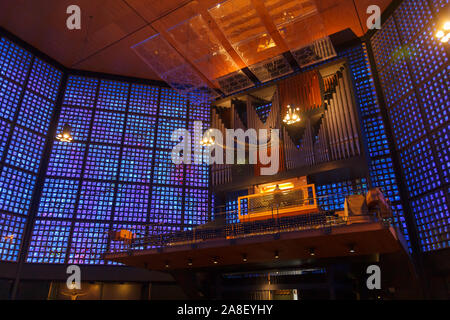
117	173
28	91
414	72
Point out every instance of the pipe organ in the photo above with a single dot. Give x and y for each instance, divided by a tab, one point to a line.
328	130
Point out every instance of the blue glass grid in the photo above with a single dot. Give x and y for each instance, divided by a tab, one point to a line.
383	176
16	189
80	91
438	5
165	171
132	203
25	150
197	175
44	79
166	205
9	99
11	231
79	119
441	140
332	196
89	242
4	132
14	61
119	246
136	165
62	154
108	127
196	206
144	99
58	199
140	131
102	162
377	142
428	54
411	16
112	95
172	104
35	113
201	112
386	43
396	77
49	241
435	98
433	220
96	200
419	168
165	129
407	123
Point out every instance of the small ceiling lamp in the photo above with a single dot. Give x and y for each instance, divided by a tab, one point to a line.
244	257
443	33
189	262
292	116
312	252
277	255
207	140
351	248
66	134
215	261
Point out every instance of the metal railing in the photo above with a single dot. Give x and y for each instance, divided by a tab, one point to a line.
218	229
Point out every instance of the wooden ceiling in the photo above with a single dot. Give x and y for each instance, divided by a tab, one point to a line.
111	27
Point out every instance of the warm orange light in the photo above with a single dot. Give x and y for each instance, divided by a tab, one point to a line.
281	186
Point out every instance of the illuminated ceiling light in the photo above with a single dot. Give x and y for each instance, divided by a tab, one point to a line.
351	248
207	140
244	257
292	116
312	252
277	255
66	134
281	186
167	264
215	261
443	33
189	262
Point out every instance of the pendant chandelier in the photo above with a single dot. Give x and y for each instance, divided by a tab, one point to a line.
292	116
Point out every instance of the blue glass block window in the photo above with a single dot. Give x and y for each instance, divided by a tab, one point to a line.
11	231
438	5
16	189
14	61
9	99
136	165
80	91
132	203
108	127
89	242
196	206
197	175
102	162
143	99
435	99
332	196
386	43
112	95
79	119
66	160
165	171
35	113
96	200
376	137
44	79
396	77
140	131
49	241
25	150
383	176
166	205
419	168
407	122
4	132
427	54
231	211
172	104
441	139
58	199
433	223
411	16
200	113
165	129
